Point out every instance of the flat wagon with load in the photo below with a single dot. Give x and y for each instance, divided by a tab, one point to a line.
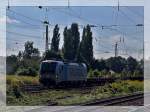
62	73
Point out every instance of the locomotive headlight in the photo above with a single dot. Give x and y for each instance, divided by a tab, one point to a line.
56	76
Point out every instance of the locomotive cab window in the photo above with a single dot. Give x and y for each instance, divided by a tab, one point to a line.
47	67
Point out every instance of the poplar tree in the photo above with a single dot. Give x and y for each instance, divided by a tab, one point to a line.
75	35
86	49
68	45
55	39
71	42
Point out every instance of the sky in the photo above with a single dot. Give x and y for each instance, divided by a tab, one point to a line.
24	23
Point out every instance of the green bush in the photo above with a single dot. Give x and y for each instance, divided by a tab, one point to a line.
93	73
90	73
96	73
124	73
17	92
103	73
120	87
27	72
15	80
137	73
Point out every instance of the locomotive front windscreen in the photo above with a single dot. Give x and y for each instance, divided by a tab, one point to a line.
48	67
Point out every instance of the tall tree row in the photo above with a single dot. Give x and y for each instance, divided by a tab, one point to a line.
68	45
55	39
73	49
86	46
71	42
75	38
53	53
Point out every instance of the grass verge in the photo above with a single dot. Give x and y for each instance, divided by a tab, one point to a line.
73	96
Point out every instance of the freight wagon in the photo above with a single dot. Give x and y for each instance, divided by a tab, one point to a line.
62	73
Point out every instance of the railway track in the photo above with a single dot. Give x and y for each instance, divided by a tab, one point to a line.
119	100
101	81
37	88
116	100
33	88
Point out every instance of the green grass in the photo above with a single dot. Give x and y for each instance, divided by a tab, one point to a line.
66	96
20	80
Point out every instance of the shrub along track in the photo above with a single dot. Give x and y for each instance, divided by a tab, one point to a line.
85	89
91	82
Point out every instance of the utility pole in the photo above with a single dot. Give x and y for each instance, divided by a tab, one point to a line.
68	3
116	49
46	40
118	5
46	23
8	5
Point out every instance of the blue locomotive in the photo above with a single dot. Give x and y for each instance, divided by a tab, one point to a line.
58	72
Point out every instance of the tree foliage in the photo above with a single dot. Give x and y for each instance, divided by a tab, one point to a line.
75	39
71	42
55	39
99	64
49	55
29	58
117	64
27	72
11	64
68	45
73	50
29	51
86	46
131	64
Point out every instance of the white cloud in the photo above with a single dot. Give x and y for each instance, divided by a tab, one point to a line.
3	33
10	20
3	20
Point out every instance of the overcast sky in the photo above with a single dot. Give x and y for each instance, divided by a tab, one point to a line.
26	20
